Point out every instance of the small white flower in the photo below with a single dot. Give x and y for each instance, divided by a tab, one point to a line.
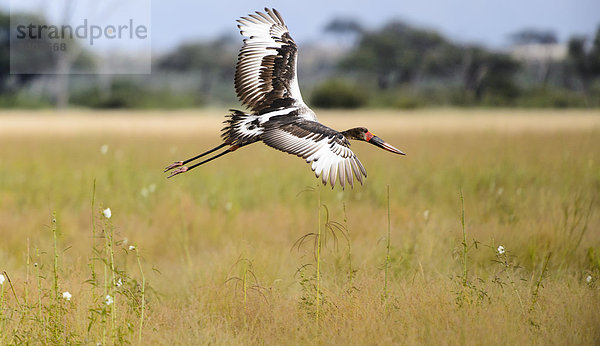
2	278
501	249
119	283
107	213
104	149
108	299
426	214
144	192
131	247
228	206
66	295
152	188
500	191
588	279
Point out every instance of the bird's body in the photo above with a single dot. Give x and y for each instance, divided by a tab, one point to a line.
267	83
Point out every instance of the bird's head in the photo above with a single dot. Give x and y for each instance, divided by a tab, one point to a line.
362	134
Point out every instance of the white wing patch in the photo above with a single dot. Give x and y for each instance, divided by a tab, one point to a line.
330	158
249	126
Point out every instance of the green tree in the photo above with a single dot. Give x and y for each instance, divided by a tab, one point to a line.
344	26
486	73
214	61
10	83
398	53
337	93
585	63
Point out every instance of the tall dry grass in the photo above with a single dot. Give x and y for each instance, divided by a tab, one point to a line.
213	254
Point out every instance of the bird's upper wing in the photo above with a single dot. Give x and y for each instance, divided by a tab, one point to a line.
266	67
328	150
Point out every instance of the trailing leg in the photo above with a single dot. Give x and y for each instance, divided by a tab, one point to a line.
181	163
184	169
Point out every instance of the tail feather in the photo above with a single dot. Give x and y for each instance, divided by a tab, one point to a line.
241	128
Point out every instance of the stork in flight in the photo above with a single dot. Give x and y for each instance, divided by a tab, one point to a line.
267	83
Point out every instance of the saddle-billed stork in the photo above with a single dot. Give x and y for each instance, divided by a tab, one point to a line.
266	82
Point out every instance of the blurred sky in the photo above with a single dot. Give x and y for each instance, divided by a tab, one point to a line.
473	21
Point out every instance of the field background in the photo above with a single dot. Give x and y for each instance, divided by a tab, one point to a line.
217	244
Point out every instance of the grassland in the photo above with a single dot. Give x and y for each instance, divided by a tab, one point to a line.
216	245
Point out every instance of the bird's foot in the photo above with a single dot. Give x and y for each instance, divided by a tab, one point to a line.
178	170
173	165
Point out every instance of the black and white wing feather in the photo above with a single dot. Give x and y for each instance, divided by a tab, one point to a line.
327	150
265	76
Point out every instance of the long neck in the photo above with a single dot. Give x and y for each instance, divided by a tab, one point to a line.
354	133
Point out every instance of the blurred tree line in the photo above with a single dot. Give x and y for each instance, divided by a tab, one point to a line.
406	67
397	65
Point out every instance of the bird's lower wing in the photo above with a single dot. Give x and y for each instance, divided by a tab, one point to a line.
325	149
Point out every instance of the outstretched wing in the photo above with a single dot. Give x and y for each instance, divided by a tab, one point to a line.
265	75
327	150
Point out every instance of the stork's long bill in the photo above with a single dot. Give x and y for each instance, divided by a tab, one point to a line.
371	138
266	82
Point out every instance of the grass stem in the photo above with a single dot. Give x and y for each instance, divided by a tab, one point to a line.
245	285
106	287
350	270
387	247
1	312
111	288
137	255
318	300
28	264
57	310
464	243
538	283
92	261
12	288
39	292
